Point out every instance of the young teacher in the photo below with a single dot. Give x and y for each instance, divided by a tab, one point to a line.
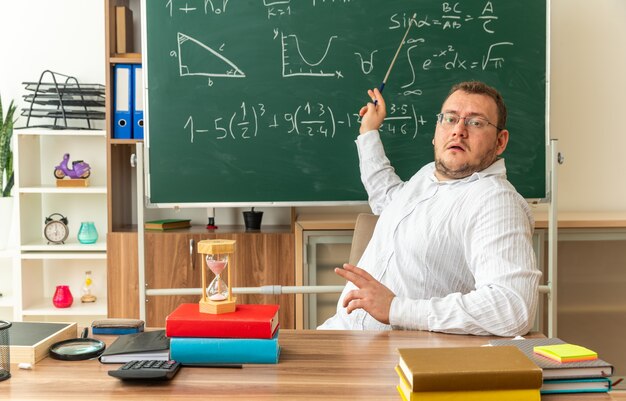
452	250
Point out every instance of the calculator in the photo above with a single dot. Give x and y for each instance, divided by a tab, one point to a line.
146	370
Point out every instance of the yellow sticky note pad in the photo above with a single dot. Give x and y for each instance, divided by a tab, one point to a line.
566	352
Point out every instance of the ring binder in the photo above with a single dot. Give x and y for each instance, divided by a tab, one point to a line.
137	101
122	128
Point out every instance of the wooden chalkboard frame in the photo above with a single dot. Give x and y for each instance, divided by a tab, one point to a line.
181	200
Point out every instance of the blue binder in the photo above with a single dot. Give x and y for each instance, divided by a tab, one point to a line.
137	101
123	107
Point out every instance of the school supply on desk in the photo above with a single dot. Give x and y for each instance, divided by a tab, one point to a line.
468	369
227	351
404	388
556	370
597	385
117	326
77	349
248	321
146	370
565	352
30	341
167	224
148	345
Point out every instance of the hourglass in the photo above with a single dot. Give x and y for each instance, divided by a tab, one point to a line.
216	256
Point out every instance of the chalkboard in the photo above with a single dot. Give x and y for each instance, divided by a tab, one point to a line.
256	101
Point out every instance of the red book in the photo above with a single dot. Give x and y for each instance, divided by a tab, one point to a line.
247	321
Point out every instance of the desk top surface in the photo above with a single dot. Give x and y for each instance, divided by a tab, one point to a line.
328	365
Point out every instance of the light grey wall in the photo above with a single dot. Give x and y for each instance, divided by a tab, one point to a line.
588	84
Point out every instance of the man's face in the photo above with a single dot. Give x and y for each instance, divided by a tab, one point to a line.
462	150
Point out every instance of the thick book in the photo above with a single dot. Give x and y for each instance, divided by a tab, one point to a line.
225	351
556	370
468	369
492	395
167	224
247	321
30	341
147	345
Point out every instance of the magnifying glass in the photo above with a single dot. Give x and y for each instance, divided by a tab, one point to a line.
77	349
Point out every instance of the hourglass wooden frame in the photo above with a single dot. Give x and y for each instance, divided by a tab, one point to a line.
217	247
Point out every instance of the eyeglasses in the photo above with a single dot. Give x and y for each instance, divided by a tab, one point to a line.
449	120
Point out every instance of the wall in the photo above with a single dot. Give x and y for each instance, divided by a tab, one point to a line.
588	83
64	36
588	88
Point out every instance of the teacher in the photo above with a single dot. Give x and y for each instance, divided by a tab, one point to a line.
452	250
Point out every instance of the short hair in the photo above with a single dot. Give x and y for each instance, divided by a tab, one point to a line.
480	88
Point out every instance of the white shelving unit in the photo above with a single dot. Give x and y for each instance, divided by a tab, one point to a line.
38	267
6	284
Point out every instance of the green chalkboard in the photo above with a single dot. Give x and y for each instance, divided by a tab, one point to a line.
256	101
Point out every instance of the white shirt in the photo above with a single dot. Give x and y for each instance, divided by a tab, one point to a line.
457	254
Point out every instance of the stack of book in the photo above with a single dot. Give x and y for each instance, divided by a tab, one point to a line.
248	335
582	376
467	374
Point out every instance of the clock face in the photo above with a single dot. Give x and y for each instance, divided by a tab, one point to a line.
56	232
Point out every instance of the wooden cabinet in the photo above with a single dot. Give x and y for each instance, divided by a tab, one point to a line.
261	258
123	275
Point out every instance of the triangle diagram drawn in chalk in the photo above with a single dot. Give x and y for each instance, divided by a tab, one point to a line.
196	58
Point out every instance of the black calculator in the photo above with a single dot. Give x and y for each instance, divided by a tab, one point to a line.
146	370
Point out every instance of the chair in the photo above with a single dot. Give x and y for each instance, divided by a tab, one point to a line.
363	230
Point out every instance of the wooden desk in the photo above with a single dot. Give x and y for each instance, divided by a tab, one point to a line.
322	365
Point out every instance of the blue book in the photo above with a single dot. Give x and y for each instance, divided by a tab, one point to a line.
115	330
224	351
594	385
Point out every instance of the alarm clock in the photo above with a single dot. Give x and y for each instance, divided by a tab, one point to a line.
55	229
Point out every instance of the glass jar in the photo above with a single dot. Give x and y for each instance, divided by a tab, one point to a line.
87	234
62	297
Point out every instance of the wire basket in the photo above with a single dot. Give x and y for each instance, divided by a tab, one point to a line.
5	355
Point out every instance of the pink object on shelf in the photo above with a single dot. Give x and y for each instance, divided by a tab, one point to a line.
62	297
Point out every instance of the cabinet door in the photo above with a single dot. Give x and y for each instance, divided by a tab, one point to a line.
122	275
260	259
170	263
267	259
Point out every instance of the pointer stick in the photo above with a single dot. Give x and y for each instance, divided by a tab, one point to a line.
382	86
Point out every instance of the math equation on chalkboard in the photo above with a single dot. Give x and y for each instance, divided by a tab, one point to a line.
230	82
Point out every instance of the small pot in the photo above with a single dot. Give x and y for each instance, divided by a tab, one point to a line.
252	220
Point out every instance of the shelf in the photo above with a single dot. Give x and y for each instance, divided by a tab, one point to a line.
95	255
63	251
59	132
63	190
45	308
128	58
117	141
